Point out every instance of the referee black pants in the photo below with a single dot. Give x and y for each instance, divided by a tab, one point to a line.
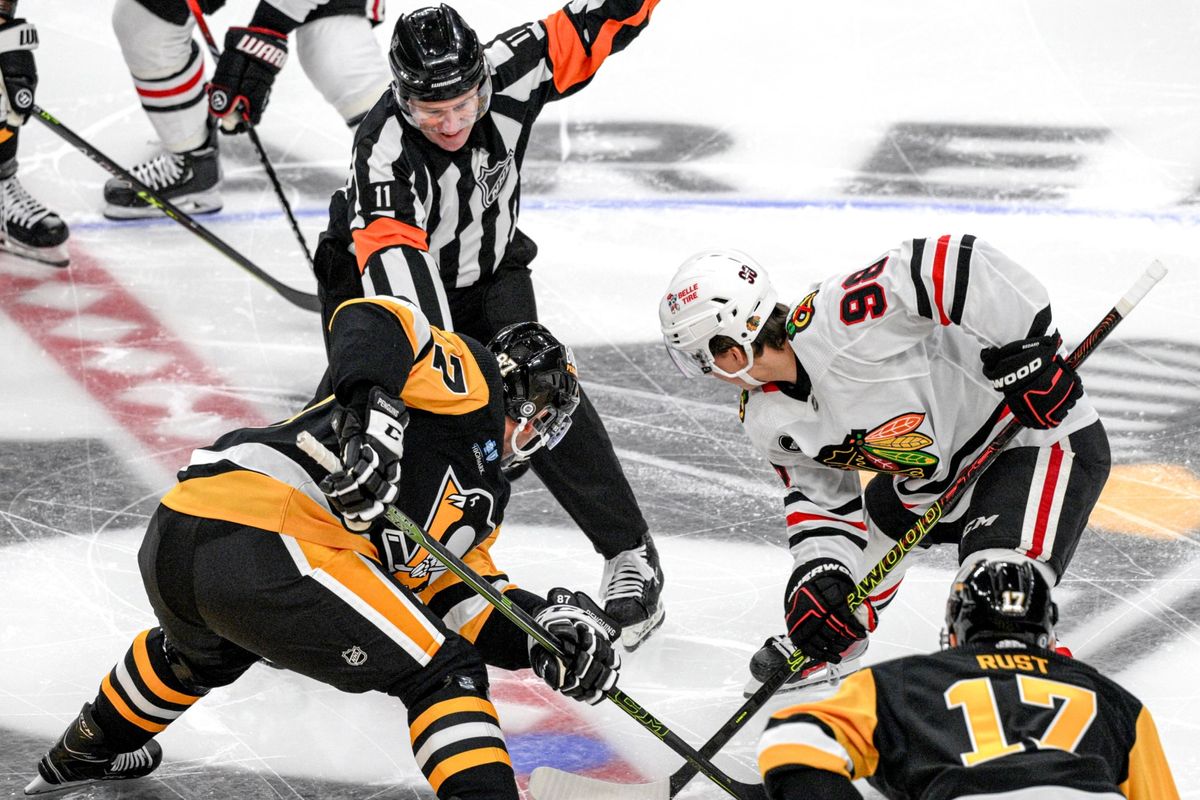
582	472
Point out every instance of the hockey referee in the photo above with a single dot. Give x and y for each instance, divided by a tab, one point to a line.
430	213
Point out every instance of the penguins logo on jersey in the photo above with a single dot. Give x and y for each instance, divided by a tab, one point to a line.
460	519
490	179
802	316
893	447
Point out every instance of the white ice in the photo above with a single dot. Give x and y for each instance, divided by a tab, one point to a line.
806	92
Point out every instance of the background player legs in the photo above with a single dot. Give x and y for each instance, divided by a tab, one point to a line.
167	67
340	56
26	224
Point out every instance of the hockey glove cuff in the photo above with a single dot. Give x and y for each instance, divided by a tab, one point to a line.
1038	384
589	665
241	83
18	40
816	608
371	441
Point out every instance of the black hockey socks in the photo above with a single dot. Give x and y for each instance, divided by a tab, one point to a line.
458	744
141	696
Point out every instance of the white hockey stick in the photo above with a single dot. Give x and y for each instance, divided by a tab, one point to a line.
548	783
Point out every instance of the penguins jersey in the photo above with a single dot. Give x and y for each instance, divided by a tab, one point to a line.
450	482
976	722
419	218
893	383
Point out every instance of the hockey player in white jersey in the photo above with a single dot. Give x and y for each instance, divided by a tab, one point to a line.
897	368
333	41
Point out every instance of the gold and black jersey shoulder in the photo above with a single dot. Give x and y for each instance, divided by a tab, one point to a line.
388	342
975	721
984	718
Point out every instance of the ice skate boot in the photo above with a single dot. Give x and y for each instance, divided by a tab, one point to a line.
27	228
776	651
79	756
191	181
631	590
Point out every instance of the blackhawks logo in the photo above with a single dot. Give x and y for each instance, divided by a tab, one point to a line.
802	315
894	447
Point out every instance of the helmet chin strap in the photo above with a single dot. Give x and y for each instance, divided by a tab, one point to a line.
516	453
742	374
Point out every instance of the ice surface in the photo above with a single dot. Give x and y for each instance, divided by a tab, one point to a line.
1068	134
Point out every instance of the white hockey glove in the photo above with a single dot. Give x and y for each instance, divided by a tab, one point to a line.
590	665
18	40
370	474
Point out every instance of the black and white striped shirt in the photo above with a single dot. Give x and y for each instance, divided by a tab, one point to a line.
422	221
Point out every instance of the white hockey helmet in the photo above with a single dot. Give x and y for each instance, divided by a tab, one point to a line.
715	293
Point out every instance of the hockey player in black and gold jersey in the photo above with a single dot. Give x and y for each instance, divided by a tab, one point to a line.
430	211
257	553
997	715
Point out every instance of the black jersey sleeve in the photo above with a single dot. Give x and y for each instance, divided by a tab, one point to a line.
373	343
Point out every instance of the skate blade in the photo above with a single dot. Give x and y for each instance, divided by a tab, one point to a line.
822	678
191	204
54	256
40	785
632	636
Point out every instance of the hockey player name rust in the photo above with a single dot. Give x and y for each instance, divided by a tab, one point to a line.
1018	661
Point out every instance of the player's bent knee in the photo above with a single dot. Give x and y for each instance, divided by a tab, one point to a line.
341	57
153	47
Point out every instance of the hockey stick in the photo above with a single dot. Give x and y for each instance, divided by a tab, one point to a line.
521	618
547	783
194	5
308	302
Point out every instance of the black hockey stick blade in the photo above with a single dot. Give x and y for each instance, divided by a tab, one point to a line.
305	300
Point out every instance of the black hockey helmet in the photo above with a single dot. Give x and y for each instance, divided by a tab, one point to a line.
435	55
1001	600
541	384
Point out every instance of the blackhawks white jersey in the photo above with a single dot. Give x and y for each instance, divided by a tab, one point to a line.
892	382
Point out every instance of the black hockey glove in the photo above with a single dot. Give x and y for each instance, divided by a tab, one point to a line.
371	442
18	40
590	665
818	615
1038	385
242	81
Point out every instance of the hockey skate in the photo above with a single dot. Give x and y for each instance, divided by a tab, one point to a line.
631	590
79	757
191	181
774	654
27	228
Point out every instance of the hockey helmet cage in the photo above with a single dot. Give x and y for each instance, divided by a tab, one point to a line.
541	385
715	293
999	600
436	55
